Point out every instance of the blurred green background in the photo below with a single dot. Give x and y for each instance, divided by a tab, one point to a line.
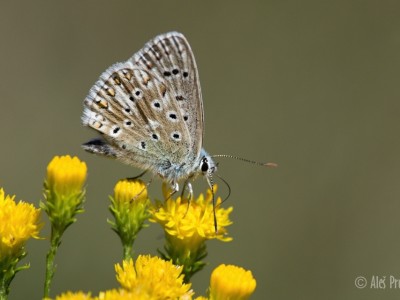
311	85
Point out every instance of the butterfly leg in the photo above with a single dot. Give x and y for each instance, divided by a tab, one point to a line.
187	186
137	176
147	183
174	187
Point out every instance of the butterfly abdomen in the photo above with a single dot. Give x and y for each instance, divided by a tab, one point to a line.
99	146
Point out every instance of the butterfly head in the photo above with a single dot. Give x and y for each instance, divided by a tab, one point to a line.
207	166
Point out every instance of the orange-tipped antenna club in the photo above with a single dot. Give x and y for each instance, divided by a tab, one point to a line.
271	165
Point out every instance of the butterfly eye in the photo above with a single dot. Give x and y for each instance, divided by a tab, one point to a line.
204	165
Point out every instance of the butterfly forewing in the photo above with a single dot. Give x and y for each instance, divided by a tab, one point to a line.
170	57
145	114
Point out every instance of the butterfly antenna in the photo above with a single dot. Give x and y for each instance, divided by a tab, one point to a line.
268	164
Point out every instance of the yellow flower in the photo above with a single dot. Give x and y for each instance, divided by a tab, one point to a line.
193	223
66	175
231	282
127	191
18	222
63	190
64	197
124	295
74	296
188	226
130	209
153	276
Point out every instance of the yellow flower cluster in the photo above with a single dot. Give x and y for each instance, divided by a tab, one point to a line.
123	295
66	175
150	278
154	277
188	225
18	222
193	222
74	296
114	294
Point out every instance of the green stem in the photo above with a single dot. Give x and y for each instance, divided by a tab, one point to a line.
8	270
127	248
190	258
50	268
3	289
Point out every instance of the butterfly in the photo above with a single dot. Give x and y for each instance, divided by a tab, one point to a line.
149	112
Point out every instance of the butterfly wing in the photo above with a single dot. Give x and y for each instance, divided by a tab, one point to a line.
141	115
170	57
